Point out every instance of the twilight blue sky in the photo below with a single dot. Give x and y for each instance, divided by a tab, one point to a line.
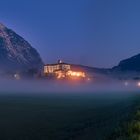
92	32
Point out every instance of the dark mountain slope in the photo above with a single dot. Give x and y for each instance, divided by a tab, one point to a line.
16	53
130	64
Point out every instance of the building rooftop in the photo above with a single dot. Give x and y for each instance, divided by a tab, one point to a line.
56	64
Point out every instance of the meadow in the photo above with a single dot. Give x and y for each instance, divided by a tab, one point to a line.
83	116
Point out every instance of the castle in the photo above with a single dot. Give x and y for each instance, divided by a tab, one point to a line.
62	70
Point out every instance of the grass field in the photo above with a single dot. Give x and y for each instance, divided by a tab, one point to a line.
129	129
63	117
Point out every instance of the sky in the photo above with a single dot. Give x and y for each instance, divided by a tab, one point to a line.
96	33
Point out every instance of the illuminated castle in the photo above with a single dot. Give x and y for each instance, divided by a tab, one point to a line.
62	70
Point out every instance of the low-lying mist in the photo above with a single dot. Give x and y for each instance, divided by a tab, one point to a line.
66	87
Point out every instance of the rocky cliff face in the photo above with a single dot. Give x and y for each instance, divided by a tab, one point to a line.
16	53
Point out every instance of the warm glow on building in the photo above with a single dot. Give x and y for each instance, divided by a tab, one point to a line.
76	74
60	74
62	70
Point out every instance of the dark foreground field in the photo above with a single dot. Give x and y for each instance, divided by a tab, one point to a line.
63	117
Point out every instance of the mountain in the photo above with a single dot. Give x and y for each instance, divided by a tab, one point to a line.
126	69
130	64
16	53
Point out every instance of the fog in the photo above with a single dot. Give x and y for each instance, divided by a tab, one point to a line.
65	87
44	109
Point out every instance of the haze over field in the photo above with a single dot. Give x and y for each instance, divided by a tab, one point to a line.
68	87
34	114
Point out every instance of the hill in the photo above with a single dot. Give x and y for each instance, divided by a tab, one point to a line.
130	64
